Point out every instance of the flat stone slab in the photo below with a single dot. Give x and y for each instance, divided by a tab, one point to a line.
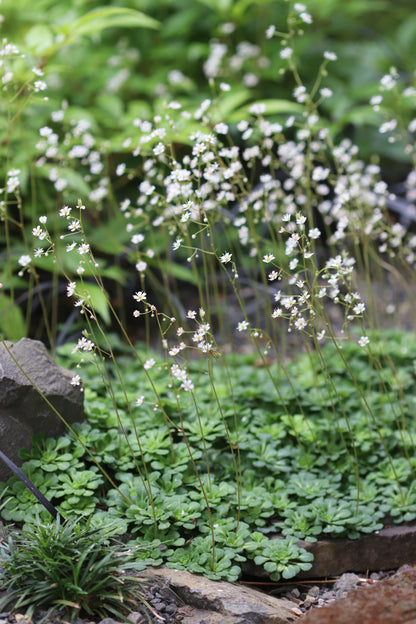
212	602
387	549
392	601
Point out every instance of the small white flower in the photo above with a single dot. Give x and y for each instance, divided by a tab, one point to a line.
74	225
270	32
83	248
140	296
268	258
314	233
65	211
149	364
226	257
286	53
187	385
359	308
137	238
139	400
40	85
363	341
221	128
38	232
242	325
76	380
159	149
141	266
25	260
300	323
70	289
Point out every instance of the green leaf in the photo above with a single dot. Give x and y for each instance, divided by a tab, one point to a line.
290	571
180	272
273	107
39	38
99	19
12	322
98	300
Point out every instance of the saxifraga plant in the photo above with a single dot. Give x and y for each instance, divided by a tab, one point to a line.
70	568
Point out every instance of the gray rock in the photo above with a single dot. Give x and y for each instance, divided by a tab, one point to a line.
212	602
347	582
23	410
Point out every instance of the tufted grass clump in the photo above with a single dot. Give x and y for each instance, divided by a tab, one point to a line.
69	569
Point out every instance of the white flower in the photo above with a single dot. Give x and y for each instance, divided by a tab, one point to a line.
38	232
141	266
314	233
226	257
270	32
40	85
359	308
325	92
268	258
221	128
159	149
286	53
120	169
242	325
300	323
149	364
76	380
137	238
65	211
140	296
139	400
70	289
25	260
83	248
363	341
258	108
74	225
187	385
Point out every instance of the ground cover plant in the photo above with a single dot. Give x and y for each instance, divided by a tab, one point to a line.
296	472
256	256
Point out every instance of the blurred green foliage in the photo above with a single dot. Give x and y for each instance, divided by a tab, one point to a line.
111	64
